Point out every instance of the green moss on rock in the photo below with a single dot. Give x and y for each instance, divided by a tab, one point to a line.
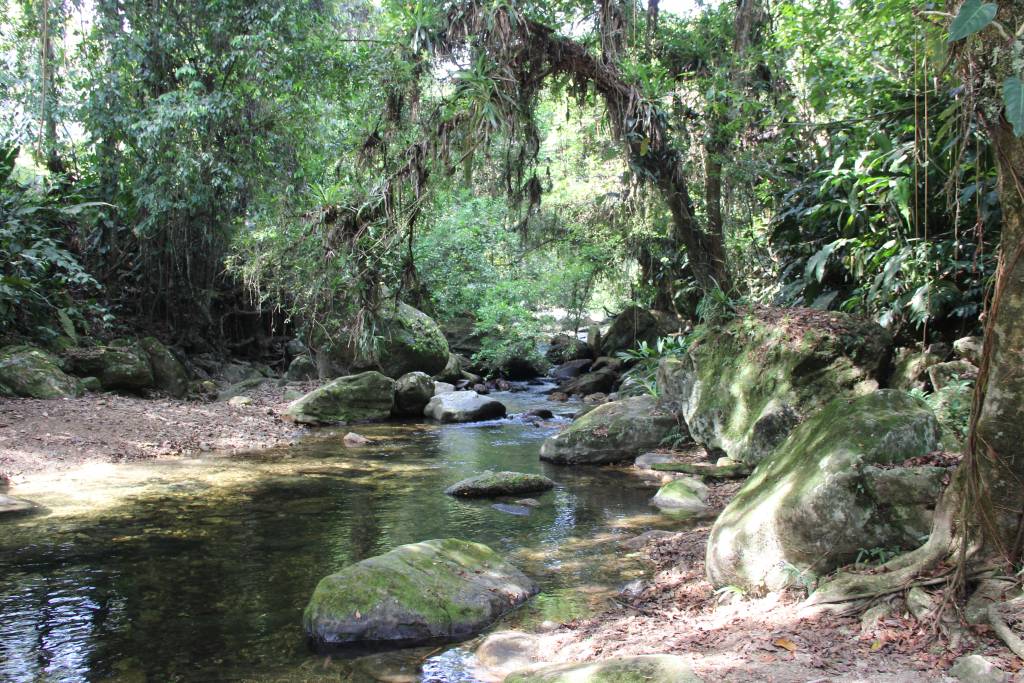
357	398
743	387
828	492
32	373
447	588
169	374
489	484
613	432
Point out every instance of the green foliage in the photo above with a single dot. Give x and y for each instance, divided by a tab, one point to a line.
867	557
974	15
44	290
644	360
952	407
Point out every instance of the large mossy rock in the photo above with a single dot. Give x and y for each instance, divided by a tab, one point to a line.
407	340
566	348
413	392
492	484
601	382
641	669
169	374
122	365
742	387
613	432
32	373
441	589
463	406
832	490
635	325
364	397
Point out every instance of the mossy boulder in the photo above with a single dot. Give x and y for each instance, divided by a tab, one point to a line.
441	589
684	494
613	432
742	387
121	365
452	371
910	369
169	374
565	348
641	669
301	369
413	392
635	325
407	340
491	484
943	375
364	397
32	373
833	489
463	406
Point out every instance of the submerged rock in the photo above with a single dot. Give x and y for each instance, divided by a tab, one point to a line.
169	373
463	406
830	491
441	589
32	373
353	440
743	387
490	484
613	432
9	505
356	398
642	669
507	651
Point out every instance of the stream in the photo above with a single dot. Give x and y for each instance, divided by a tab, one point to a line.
198	569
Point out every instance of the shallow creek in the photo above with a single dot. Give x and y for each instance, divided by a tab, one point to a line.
199	569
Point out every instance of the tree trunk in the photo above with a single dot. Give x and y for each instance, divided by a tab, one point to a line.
48	119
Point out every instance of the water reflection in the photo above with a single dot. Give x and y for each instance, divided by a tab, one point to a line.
200	569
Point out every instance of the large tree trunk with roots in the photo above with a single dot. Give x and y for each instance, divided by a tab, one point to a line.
978	525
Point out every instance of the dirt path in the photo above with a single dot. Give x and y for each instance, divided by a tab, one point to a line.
38	436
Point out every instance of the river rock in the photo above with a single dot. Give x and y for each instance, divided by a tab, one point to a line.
413	392
32	373
301	369
440	589
353	440
910	369
408	340
943	375
595	399
452	371
977	669
613	432
636	543
9	505
683	494
120	365
645	461
600	382
442	388
565	348
506	651
644	668
356	398
169	373
830	491
463	406
491	484
573	368
742	387
969	349
635	325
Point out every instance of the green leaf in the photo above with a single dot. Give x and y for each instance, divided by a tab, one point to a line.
67	324
973	16
1013	96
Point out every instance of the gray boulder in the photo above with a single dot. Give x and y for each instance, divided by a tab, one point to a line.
910	369
120	365
641	669
413	392
301	369
571	369
463	406
29	372
566	348
169	373
357	398
452	371
742	387
441	589
635	325
491	484
945	374
613	432
600	382
833	488
969	349
684	494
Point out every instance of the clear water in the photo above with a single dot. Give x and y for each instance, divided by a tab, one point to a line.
199	569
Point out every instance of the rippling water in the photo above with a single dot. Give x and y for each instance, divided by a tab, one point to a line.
199	569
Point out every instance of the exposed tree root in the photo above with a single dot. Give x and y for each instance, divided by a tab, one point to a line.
1003	630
